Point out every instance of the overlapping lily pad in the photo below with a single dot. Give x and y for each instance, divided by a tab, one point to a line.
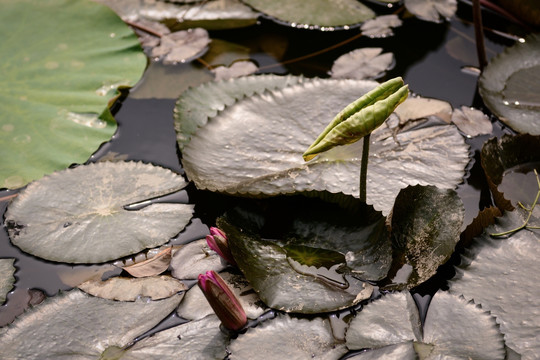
6	277
509	86
285	337
254	147
77	325
451	322
498	273
60	70
81	215
193	259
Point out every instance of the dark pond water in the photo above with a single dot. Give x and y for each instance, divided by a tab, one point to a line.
430	57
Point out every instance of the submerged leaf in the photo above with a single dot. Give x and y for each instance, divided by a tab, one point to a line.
82	215
497	273
153	266
129	289
289	338
364	63
509	86
77	325
255	146
237	69
6	277
182	46
432	10
60	71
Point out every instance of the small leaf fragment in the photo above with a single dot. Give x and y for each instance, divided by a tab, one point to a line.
471	121
153	266
364	63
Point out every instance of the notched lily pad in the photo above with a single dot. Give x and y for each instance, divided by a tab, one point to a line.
284	283
509	86
254	147
129	289
381	26
60	326
426	226
365	63
193	259
471	121
6	278
87	214
451	321
432	10
285	337
518	154
497	273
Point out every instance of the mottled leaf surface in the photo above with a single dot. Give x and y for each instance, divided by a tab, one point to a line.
6	277
497	273
285	337
255	147
59	71
78	215
79	326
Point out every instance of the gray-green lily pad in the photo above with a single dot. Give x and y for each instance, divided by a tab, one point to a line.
194	306
193	259
76	325
286	284
426	226
6	277
509	86
59	72
129	289
498	273
451	322
285	337
82	215
254	147
318	13
364	63
432	10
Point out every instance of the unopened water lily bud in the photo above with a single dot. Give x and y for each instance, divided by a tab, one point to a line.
217	241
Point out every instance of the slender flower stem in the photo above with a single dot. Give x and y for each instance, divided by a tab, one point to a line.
529	210
363	168
479	34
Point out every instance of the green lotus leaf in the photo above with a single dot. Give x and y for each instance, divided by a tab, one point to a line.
83	214
282	281
318	13
6	278
451	321
496	273
509	86
79	326
254	147
426	226
285	337
60	72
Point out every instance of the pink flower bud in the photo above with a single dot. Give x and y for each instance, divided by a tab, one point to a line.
217	241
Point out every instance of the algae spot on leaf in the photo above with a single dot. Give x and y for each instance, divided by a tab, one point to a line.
81	215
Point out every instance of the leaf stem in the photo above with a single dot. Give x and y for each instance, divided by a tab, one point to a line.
529	210
479	34
363	168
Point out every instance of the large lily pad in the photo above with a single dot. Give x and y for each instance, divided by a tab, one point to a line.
79	215
59	72
285	337
6	277
255	147
286	282
509	86
497	273
319	13
76	325
451	322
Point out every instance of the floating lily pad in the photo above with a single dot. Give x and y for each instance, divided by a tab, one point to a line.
237	69
79	215
194	306
285	284
255	146
417	107
319	13
6	277
471	121
432	10
381	26
182	46
129	289
60	70
365	63
497	273
426	226
451	322
510	88
77	325
193	259
285	337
